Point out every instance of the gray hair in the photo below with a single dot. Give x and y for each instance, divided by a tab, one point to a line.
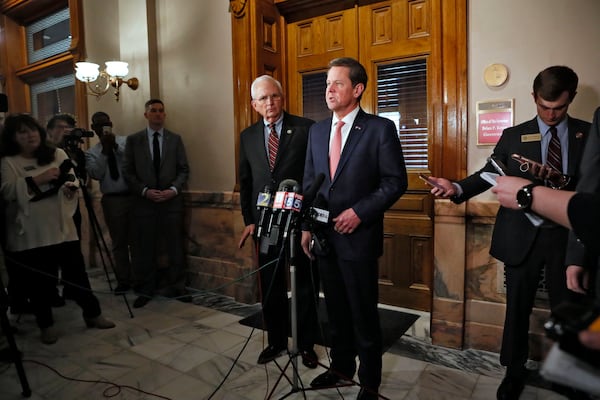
263	78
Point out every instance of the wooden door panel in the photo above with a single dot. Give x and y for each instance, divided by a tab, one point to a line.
312	43
406	268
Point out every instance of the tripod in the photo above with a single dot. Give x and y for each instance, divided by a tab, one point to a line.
74	153
7	330
99	239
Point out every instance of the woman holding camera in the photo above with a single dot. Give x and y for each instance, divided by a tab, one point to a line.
40	191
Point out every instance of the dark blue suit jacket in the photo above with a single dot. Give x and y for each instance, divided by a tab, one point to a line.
370	177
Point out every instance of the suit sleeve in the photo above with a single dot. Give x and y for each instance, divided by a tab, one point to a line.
246	185
393	180
589	182
474	184
182	168
584	215
136	186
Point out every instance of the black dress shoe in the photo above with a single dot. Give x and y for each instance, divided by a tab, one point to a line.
309	358
327	379
141	301
510	388
367	394
270	353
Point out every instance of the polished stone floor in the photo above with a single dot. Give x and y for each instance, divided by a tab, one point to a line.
175	350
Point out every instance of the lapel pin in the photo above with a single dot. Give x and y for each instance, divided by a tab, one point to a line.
289	131
578	135
358	127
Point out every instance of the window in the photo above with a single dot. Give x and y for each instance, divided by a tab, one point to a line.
44	39
49	36
53	96
402	97
313	96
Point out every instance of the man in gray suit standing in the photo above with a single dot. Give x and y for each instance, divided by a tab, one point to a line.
156	169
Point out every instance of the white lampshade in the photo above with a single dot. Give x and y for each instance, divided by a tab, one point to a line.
87	71
117	68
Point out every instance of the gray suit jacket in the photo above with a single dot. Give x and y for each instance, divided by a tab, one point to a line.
138	168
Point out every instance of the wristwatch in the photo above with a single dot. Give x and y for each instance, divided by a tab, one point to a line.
525	197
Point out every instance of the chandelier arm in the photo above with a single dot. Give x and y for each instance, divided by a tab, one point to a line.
96	88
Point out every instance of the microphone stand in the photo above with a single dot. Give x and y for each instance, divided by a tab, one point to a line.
295	382
294	353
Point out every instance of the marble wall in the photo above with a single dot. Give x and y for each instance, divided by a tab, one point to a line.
468	297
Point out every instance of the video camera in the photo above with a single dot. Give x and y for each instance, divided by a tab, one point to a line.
568	362
567	320
72	138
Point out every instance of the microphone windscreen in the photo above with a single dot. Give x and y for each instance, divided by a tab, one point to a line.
287	184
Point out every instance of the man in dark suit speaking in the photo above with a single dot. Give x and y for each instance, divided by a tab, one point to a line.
156	169
526	247
273	150
361	156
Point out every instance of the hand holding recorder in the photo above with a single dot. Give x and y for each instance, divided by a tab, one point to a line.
441	186
542	171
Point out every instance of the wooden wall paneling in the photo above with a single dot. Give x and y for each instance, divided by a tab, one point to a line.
312	43
257	47
13	38
453	78
18	73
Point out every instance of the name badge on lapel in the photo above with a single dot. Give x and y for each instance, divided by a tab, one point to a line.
532	137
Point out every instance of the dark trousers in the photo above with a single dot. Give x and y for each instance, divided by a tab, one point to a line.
522	281
157	226
117	215
351	294
34	272
274	285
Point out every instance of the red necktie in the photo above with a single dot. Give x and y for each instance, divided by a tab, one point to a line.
336	149
273	146
554	156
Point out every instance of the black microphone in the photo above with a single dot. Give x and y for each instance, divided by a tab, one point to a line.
263	204
311	192
293	203
277	215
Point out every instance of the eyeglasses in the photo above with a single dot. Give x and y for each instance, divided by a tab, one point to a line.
274	97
